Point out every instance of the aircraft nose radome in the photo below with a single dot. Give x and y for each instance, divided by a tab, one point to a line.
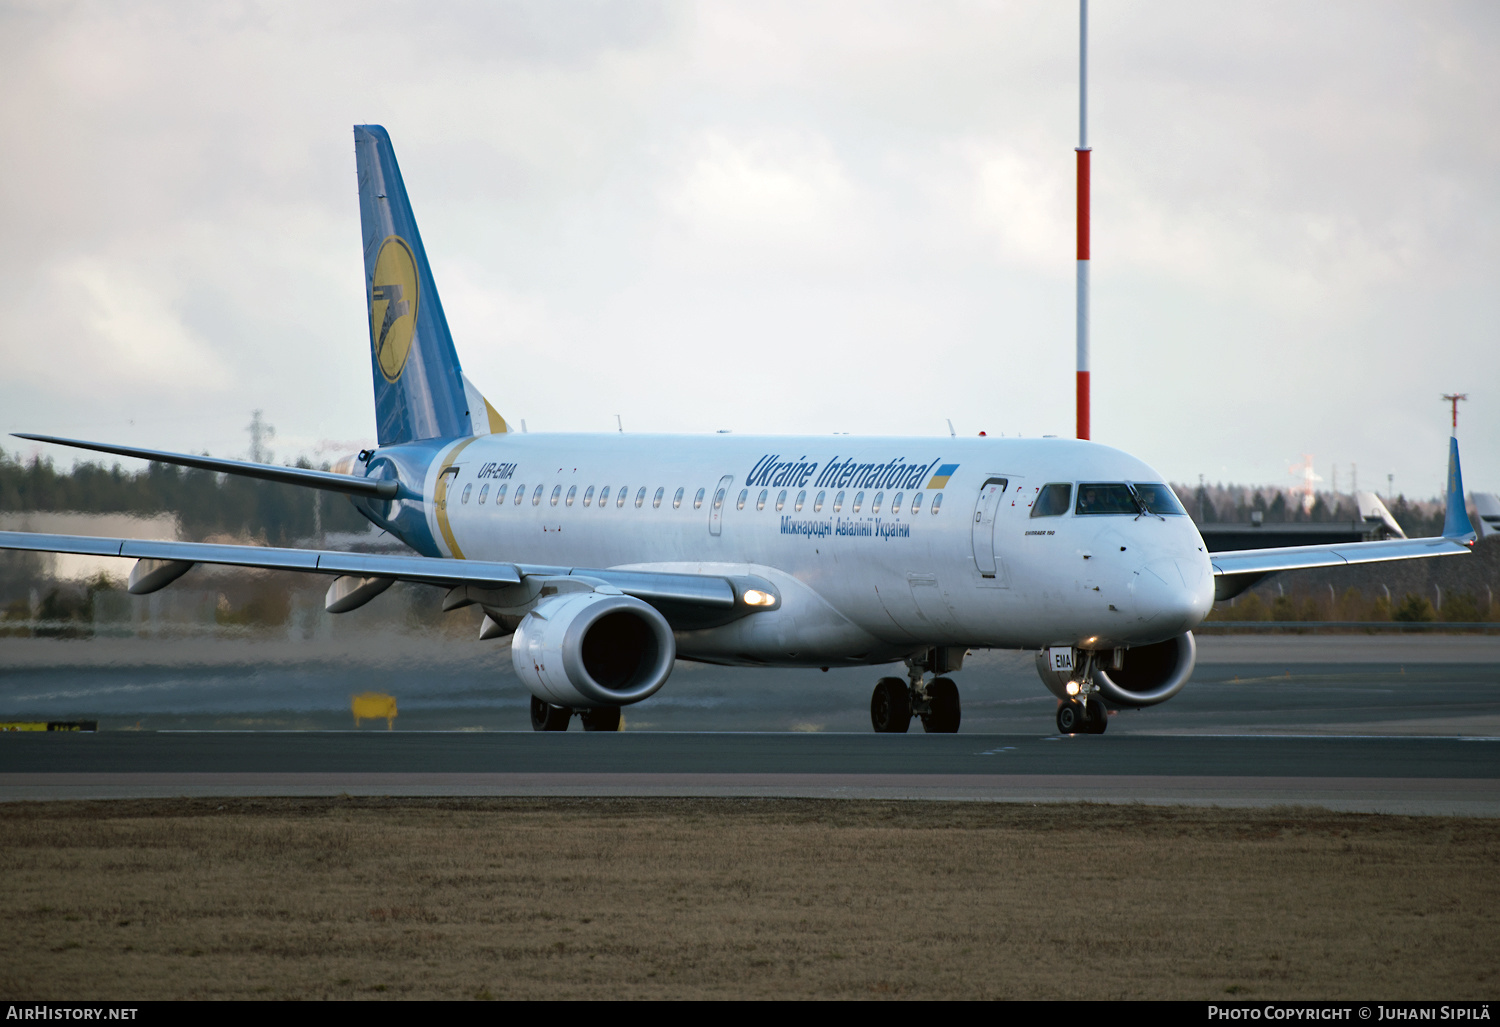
1174	595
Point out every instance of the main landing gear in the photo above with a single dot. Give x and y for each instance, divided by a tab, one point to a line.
546	717
895	702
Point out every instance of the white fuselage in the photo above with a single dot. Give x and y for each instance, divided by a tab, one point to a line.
956	562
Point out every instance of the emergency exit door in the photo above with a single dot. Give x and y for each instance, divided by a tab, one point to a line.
716	504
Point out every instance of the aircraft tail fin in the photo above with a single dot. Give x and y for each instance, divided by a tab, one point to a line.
420	388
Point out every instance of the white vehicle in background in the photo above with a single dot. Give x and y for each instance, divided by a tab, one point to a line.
1487	508
608	557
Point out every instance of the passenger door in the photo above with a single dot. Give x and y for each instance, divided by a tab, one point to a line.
985	509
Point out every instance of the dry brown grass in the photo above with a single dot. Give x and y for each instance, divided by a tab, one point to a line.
553	898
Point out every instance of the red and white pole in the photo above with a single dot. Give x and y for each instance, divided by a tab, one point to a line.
1083	219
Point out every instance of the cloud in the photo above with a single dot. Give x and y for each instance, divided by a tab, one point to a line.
679	211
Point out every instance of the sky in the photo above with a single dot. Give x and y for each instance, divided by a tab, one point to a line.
770	217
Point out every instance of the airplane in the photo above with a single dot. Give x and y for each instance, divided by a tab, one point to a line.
607	557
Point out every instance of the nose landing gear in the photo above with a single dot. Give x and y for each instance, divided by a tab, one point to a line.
1082	718
1083	713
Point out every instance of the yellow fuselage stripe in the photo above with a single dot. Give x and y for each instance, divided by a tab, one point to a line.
440	498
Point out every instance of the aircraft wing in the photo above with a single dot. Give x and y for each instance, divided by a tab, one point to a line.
693	590
306	477
1237	570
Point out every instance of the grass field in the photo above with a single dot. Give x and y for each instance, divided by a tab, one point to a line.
619	898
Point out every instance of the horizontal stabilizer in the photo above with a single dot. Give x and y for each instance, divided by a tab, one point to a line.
305	477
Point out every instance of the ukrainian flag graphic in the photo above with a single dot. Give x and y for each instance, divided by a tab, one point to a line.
940	478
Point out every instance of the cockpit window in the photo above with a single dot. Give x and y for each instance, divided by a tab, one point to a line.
1159	499
1052	500
1105	498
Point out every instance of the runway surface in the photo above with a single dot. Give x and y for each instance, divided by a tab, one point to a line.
1347	722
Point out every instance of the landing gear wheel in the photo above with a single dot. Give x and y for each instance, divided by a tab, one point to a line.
1096	717
1070	719
601	718
890	707
546	717
943	714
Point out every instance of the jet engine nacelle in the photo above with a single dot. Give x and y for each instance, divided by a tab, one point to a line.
1149	674
585	649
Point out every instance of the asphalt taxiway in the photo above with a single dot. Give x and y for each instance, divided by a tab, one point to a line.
1346	722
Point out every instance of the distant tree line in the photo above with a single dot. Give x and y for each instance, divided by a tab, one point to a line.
1214	504
205	503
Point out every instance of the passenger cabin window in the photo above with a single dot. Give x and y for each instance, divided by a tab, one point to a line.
536	497
916	503
719	499
740	503
572	491
801	498
656	499
838	503
467	489
818	503
760	500
780	500
698	499
500	495
520	494
484	493
556	494
604	497
1052	500
588	496
896	505
1159	499
621	496
859	498
640	498
875	506
1105	498
937	502
677	500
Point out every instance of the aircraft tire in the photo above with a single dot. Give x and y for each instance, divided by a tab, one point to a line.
890	707
945	712
1097	717
546	717
1070	719
601	718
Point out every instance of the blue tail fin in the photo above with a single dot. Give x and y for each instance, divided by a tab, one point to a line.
1456	521
420	389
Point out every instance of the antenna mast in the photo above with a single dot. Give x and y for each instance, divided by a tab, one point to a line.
1083	219
1454	398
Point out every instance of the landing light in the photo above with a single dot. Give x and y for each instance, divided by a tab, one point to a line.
755	597
1071	688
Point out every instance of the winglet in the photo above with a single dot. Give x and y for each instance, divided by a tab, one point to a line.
1456	524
